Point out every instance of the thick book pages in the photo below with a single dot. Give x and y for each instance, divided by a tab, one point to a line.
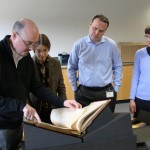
54	128
78	119
73	122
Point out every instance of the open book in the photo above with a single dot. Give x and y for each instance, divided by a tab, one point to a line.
72	122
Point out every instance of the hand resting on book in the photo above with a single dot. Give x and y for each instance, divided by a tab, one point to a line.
72	104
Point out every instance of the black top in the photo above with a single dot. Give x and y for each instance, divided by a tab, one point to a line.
15	85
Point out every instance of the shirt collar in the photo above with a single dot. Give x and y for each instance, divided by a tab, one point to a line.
16	56
90	41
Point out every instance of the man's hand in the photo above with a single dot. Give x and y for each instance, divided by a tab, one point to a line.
30	113
132	106
72	104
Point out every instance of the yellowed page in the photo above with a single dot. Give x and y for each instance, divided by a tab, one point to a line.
79	119
89	118
65	117
89	114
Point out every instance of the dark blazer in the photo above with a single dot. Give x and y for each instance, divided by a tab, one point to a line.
56	81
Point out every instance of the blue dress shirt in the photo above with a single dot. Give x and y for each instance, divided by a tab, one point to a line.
95	65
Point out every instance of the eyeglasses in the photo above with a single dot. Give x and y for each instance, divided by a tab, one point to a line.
147	36
28	44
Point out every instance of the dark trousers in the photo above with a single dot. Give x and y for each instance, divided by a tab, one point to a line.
86	95
141	105
10	139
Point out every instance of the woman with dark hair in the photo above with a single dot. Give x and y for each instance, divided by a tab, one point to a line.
50	74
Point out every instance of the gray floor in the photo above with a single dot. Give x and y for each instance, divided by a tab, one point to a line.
122	107
142	133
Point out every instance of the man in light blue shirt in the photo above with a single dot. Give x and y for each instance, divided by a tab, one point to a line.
95	64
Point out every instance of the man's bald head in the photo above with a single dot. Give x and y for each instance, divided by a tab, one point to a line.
27	27
25	35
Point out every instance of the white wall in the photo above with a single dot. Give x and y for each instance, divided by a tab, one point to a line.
65	21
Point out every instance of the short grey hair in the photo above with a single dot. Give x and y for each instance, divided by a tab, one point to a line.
18	26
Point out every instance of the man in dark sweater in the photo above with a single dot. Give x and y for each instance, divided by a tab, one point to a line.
18	78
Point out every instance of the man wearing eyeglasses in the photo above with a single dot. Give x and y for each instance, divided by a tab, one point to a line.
17	78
